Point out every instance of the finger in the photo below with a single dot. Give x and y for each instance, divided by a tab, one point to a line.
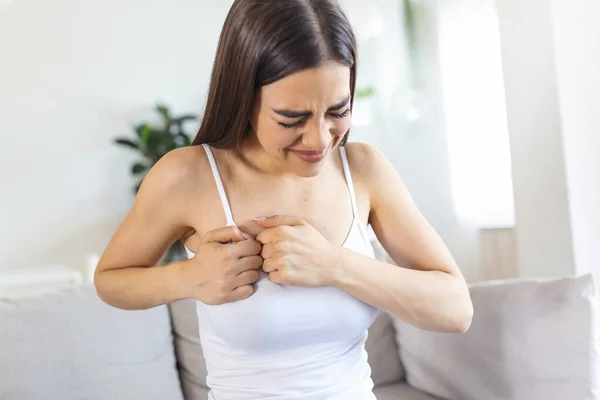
271	264
276	248
268	250
226	235
242	293
277	220
244	249
248	263
276	277
266	236
270	235
246	278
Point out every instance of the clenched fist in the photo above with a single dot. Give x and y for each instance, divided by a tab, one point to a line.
295	253
224	268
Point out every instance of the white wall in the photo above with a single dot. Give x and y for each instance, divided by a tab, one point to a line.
73	76
577	38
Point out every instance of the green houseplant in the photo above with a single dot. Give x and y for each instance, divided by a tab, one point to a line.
152	141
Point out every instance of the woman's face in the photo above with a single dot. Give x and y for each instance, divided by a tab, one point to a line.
299	119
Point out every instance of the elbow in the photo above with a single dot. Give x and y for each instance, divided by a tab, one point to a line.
461	312
106	292
449	317
114	302
102	285
457	310
463	319
104	297
456	320
103	288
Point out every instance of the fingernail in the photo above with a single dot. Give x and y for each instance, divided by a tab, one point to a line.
260	218
246	236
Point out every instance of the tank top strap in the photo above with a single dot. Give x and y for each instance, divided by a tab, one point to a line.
348	175
219	183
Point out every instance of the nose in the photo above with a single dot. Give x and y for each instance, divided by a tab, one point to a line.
318	136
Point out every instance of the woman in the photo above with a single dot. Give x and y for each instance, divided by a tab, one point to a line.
273	205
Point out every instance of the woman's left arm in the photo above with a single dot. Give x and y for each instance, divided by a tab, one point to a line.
426	288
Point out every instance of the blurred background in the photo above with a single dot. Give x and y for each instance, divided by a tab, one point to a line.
488	109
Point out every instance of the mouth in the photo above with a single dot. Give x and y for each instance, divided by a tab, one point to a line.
311	156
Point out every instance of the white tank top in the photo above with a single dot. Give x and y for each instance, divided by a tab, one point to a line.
287	342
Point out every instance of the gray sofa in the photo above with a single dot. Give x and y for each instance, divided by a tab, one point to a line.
69	345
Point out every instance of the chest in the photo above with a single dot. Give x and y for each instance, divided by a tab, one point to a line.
278	317
324	203
275	318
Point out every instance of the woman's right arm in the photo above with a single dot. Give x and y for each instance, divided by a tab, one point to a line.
127	276
225	264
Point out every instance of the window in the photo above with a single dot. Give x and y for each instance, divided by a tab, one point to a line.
475	112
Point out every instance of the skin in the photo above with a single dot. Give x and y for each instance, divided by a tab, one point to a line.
288	222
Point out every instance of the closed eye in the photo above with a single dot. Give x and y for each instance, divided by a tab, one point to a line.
294	125
341	115
303	120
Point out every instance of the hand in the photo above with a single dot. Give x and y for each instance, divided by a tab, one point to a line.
295	253
225	267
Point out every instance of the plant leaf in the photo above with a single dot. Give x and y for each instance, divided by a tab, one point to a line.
139	128
127	143
163	111
363	93
145	135
184	118
138	168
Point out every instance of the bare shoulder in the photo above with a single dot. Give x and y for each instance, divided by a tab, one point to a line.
369	165
177	173
378	177
365	155
173	187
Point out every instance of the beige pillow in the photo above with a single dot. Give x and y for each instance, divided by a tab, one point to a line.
530	339
382	349
190	359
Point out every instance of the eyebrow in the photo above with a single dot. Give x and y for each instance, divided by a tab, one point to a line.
298	114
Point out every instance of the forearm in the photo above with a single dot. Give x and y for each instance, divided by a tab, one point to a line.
138	288
431	300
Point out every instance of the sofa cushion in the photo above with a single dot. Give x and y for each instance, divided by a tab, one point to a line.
401	391
382	349
71	345
190	359
529	339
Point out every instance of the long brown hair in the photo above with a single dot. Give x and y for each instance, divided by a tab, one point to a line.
263	41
